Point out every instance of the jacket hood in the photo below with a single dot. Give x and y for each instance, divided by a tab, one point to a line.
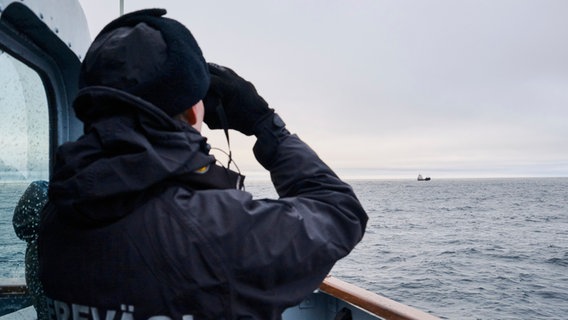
128	146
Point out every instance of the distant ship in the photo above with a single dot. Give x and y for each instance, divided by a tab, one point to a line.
423	179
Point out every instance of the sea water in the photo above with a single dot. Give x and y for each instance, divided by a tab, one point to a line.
12	249
459	249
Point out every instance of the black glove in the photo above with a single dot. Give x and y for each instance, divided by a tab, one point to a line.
242	105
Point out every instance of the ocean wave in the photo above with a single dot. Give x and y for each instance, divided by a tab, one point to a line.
562	262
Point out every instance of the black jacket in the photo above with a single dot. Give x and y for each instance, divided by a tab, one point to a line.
131	227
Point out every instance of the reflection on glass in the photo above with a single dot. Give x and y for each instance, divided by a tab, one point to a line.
24	124
24	145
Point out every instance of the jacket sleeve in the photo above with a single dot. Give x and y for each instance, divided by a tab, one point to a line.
290	244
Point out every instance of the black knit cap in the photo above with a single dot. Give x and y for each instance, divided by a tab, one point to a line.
149	56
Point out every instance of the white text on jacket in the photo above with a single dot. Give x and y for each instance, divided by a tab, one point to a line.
58	310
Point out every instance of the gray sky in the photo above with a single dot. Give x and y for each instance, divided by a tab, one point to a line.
390	89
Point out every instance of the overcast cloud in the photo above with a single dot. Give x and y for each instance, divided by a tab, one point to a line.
396	88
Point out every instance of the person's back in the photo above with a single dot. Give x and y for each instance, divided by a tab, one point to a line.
141	222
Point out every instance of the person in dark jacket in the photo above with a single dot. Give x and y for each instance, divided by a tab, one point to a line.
141	223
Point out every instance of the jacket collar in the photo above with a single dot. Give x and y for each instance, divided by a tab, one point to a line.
129	146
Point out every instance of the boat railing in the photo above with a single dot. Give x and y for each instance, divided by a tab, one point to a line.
371	302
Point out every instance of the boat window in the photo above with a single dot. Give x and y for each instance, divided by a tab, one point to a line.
24	151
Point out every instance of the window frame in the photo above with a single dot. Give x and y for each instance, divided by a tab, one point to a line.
26	38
